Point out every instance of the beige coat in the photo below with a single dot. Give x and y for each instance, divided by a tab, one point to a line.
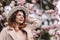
10	35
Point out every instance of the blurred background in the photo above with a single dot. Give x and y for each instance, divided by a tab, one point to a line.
44	16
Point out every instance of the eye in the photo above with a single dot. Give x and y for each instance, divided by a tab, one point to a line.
19	14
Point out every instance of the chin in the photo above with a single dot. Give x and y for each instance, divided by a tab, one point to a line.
20	22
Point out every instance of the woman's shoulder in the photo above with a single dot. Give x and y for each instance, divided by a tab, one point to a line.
6	29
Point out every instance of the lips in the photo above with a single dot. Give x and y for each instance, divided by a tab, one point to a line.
21	19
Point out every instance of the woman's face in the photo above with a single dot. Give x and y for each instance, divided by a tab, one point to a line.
20	17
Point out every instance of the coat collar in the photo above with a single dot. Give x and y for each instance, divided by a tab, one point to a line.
12	33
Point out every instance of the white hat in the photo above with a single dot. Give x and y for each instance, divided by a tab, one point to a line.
15	9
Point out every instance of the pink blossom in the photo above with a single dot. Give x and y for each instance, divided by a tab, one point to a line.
53	26
45	27
58	32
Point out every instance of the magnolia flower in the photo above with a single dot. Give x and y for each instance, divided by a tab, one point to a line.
6	23
20	2
53	26
49	11
51	31
58	32
45	27
54	3
36	33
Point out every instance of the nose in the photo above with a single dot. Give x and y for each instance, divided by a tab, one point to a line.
22	17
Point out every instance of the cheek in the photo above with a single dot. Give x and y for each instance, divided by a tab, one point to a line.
17	18
23	18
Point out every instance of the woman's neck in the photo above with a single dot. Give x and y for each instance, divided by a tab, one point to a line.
17	26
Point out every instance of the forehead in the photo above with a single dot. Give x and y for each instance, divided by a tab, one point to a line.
20	12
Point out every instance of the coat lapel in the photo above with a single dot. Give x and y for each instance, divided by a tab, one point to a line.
12	34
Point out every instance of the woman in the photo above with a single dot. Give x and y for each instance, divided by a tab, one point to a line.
17	28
